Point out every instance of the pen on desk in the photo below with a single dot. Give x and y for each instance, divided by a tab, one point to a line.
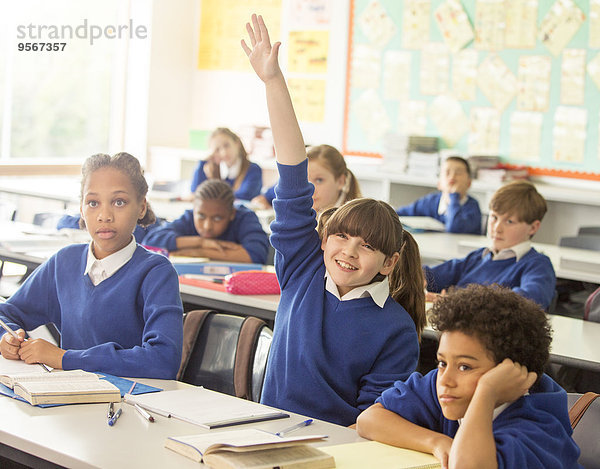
143	413
114	418
111	411
132	388
294	427
16	336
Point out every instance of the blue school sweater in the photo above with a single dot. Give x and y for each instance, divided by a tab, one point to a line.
533	431
244	229
329	359
130	324
532	276
249	188
458	218
72	221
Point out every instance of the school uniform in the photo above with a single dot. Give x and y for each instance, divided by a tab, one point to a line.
120	315
250	186
528	272
458	215
244	229
534	431
72	221
329	359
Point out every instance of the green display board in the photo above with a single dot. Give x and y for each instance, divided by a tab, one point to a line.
554	132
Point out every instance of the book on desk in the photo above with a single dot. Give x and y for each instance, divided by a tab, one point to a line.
251	448
40	387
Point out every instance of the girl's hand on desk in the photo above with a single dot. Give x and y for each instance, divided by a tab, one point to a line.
41	351
227	245
9	346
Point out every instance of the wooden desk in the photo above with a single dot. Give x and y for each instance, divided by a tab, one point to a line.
77	436
445	246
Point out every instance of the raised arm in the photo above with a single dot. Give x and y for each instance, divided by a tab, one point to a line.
289	144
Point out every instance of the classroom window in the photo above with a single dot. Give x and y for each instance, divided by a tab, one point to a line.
59	104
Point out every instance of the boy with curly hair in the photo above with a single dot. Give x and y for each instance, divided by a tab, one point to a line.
488	403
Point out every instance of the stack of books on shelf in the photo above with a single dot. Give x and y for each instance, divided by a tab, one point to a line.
423	157
502	173
477	162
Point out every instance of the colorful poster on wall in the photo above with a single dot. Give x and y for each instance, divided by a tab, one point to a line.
376	24
366	67
415	23
490	24
454	25
521	24
525	135
308	51
559	25
448	116
569	134
222	26
496	81
396	75
484	131
594	15
308	97
412	118
371	115
533	83
435	68
306	14
464	74
572	77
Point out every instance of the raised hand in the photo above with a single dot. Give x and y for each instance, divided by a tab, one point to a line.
262	55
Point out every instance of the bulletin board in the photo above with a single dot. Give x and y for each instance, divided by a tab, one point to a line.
515	78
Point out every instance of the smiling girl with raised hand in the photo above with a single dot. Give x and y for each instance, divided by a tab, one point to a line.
340	337
116	305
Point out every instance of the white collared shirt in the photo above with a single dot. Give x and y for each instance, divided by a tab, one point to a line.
518	251
445	201
232	172
101	269
379	291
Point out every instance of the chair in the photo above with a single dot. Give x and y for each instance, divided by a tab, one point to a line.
590	242
225	352
589	230
585	432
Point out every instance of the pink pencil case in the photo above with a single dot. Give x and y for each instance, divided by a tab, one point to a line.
252	282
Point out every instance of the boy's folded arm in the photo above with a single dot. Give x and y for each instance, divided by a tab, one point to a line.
380	424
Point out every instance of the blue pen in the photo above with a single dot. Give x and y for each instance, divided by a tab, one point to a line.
294	427
114	418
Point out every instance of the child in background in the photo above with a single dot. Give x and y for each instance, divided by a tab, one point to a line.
334	183
215	228
488	404
116	305
340	337
516	212
229	162
451	205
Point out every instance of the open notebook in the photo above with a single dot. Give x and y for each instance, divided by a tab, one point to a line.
375	454
209	409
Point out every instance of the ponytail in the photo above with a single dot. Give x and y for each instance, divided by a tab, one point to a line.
406	282
351	188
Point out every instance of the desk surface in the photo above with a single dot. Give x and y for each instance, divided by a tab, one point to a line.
77	436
